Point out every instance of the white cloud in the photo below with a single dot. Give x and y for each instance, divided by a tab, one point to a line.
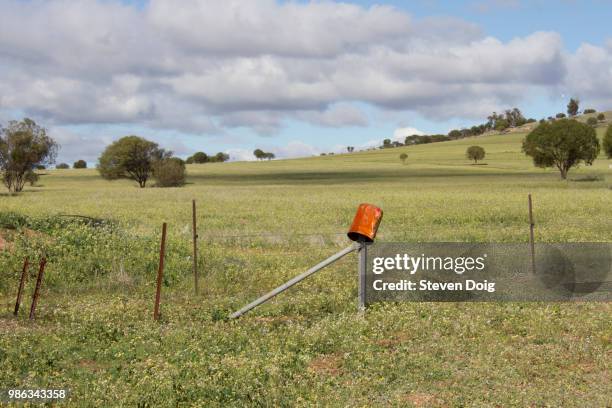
401	133
205	66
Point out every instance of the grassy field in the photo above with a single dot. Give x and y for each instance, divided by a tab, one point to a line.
261	223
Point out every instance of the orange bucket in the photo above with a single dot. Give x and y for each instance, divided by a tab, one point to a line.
365	224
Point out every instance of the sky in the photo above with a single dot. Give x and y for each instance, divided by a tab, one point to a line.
296	78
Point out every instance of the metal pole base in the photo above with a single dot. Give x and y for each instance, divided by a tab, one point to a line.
295	280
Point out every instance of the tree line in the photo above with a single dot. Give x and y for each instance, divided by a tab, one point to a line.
201	157
499	122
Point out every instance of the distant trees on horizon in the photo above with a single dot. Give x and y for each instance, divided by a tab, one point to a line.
261	155
201	157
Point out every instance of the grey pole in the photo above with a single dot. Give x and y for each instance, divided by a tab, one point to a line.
295	280
362	276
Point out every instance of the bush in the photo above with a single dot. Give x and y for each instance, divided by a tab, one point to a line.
475	153
607	142
601	117
403	157
587	111
62	166
80	164
560	115
169	172
592	121
31	177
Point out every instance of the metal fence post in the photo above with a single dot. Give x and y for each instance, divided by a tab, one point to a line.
160	272
41	270
24	274
531	236
195	247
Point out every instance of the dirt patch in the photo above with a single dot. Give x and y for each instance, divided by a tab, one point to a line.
91	365
274	319
5	240
421	400
394	340
330	364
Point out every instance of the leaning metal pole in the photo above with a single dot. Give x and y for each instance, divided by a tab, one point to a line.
354	247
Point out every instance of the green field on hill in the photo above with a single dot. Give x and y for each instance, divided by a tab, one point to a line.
261	223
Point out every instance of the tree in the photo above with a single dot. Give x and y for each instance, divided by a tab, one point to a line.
169	172
80	164
259	154
455	134
62	166
475	153
24	145
560	115
269	155
601	117
130	157
587	111
386	144
573	106
403	157
607	142
501	124
219	158
564	144
198	157
350	149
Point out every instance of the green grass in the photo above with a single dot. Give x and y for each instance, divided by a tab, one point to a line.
262	223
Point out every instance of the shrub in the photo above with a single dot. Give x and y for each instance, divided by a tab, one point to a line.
475	153
560	115
587	111
80	164
169	172
31	177
592	121
607	142
563	144
601	117
403	157
62	166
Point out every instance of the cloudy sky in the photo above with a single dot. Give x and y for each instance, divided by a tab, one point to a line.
293	77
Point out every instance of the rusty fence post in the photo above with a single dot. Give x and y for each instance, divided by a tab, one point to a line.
531	236
24	273
41	271
160	272
195	247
